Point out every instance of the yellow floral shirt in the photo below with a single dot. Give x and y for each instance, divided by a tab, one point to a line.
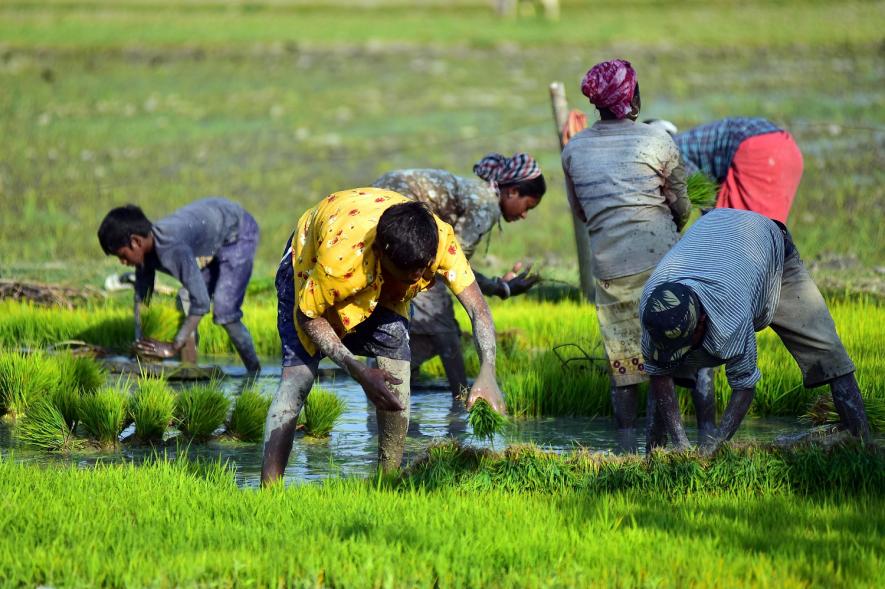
338	273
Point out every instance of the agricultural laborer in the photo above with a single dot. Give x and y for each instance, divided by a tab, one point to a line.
756	163
508	188
345	283
208	246
625	181
733	274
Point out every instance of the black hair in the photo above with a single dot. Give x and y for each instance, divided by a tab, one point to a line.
536	186
407	235
119	225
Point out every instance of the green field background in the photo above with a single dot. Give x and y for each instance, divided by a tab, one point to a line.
277	104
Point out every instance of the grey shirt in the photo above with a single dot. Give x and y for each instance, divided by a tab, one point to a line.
196	231
627	178
733	261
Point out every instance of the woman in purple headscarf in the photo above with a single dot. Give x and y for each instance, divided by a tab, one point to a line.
508	188
625	181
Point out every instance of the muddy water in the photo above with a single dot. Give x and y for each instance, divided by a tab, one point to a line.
351	449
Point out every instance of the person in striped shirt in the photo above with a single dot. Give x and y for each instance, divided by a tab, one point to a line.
733	274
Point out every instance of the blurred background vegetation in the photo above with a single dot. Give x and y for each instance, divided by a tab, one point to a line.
276	104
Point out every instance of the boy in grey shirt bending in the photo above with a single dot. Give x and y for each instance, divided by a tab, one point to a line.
209	246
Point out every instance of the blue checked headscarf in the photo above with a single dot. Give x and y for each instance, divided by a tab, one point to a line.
498	169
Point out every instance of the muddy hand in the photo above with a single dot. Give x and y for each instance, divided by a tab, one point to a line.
486	387
374	382
523	282
154	348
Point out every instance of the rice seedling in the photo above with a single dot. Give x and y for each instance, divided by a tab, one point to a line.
246	421
485	421
200	410
78	376
822	412
320	413
24	380
46	428
102	415
151	408
702	191
81	373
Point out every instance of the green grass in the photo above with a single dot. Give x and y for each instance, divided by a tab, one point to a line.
320	413
822	412
200	410
170	524
151	408
246	421
103	414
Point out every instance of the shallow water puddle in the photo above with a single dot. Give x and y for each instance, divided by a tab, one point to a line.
351	449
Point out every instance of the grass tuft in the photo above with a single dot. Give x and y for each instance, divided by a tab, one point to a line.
321	411
246	422
485	421
200	410
46	428
103	414
25	379
151	407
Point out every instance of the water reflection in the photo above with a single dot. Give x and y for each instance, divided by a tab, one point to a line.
352	447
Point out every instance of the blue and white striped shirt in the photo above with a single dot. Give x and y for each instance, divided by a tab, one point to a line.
733	261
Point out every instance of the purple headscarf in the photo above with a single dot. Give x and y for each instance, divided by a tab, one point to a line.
611	85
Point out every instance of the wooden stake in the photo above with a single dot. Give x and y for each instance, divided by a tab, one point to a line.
582	237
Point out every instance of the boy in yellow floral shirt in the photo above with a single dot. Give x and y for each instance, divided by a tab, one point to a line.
344	286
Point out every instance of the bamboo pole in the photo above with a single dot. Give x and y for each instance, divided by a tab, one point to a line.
582	237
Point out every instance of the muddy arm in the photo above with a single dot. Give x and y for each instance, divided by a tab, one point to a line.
486	385
664	407
373	380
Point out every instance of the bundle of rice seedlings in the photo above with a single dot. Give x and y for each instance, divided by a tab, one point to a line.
321	412
246	422
200	410
485	421
45	427
702	191
821	411
81	373
103	414
77	376
151	408
25	379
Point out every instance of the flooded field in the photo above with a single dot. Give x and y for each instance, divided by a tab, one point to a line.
351	449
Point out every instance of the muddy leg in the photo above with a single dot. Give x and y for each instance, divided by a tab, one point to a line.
705	406
849	406
279	427
737	408
393	425
624	404
242	342
663	392
655	432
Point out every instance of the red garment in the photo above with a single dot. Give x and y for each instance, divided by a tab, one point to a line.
574	124
763	176
611	85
